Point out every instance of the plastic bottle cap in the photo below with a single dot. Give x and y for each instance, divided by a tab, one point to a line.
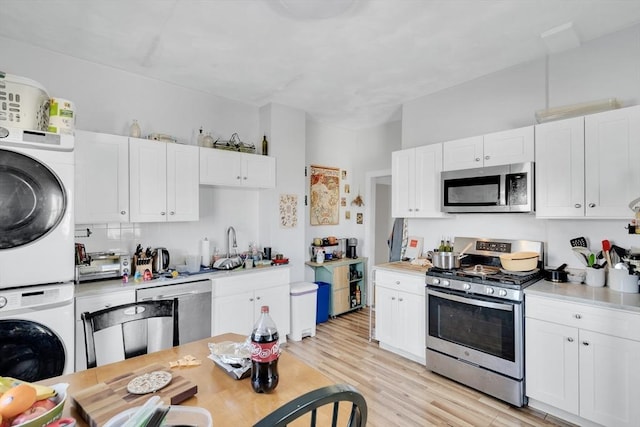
264	309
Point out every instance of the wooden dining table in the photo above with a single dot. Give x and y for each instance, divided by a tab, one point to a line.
231	402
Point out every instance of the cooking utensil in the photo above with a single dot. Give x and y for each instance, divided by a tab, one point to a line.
591	260
558	275
606	247
582	254
519	261
579	241
446	260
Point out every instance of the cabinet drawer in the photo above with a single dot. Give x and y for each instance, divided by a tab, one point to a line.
399	281
623	324
235	283
98	302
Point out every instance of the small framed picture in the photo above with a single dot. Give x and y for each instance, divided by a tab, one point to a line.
343	201
359	218
347	214
344	174
347	189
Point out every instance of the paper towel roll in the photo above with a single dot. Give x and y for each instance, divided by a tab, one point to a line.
205	254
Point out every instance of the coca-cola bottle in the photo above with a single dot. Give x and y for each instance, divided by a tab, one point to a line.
265	351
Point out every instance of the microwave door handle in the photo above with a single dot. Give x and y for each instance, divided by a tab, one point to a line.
503	190
479	303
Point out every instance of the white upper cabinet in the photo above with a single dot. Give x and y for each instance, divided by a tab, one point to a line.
101	178
415	182
164	181
229	168
498	148
588	166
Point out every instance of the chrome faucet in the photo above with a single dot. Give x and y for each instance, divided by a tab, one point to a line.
235	243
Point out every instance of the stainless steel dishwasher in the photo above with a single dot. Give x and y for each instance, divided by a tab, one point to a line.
194	312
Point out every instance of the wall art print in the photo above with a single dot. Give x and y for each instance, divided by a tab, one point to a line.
325	195
288	210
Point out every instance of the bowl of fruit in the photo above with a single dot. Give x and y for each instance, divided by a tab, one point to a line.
25	404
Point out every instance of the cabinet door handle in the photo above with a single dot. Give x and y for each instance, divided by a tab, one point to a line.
487	157
397	282
570	339
410	210
585	342
258	298
592	205
477	159
244	178
172	213
123	212
163	213
393	298
251	299
400	299
238	177
577	205
578	316
417	209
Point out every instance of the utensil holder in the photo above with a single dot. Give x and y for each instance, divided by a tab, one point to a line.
595	277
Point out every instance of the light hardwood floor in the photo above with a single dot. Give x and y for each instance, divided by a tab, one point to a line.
400	392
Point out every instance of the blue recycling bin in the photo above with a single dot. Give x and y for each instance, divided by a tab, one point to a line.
322	304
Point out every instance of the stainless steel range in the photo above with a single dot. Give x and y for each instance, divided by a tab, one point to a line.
475	317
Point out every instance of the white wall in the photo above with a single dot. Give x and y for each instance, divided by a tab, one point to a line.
357	152
603	68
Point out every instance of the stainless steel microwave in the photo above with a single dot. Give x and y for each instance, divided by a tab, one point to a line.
506	188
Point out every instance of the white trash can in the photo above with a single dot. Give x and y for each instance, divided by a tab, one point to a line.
303	310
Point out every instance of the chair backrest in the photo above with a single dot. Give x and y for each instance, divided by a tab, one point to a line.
310	402
128	316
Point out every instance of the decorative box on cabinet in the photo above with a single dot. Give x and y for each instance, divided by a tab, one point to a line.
400	313
234	169
588	166
415	182
347	279
581	361
101	178
493	149
237	299
164	181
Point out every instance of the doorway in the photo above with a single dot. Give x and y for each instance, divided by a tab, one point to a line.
378	229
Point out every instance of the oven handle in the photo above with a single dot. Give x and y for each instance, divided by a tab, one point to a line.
451	297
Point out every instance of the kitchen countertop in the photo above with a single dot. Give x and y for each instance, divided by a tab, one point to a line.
403	267
106	286
603	297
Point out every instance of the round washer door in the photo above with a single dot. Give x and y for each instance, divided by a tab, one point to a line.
29	351
32	197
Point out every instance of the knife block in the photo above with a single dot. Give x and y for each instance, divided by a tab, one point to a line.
141	264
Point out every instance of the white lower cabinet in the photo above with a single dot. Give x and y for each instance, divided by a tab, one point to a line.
400	313
581	361
105	351
237	300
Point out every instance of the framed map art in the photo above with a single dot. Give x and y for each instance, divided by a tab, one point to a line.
325	195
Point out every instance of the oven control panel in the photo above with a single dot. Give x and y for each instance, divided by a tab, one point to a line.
475	288
501	247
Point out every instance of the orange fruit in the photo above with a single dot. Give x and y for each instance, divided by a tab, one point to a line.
17	400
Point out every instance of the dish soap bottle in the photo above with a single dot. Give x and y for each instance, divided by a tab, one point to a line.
265	146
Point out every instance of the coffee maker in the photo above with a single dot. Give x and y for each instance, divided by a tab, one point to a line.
352	244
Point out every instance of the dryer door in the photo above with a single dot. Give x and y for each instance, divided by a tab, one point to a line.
32	199
30	351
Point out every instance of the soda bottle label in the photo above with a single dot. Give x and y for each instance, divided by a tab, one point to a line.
265	352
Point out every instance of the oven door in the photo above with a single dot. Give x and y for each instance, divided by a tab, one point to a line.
482	331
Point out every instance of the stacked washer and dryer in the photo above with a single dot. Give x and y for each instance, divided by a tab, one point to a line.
36	249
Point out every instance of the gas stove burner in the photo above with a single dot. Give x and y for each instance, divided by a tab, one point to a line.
481	270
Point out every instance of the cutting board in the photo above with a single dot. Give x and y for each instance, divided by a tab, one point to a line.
99	403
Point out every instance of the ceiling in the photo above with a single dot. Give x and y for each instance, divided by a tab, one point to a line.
353	70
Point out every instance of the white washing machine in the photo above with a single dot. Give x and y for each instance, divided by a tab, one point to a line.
37	331
36	208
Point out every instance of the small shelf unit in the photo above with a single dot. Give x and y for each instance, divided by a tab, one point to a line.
347	277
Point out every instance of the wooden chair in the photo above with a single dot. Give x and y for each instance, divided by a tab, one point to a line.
310	402
127	316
